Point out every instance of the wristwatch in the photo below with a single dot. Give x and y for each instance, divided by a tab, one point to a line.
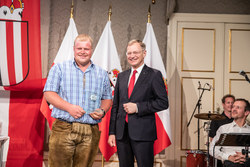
103	112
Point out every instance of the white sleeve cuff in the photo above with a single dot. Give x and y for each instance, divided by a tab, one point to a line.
225	156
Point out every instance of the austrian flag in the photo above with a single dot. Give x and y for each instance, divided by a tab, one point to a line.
14	59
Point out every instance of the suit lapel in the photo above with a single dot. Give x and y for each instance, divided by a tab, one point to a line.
124	82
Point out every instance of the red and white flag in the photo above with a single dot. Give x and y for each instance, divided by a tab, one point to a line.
14	59
106	56
64	53
153	59
21	75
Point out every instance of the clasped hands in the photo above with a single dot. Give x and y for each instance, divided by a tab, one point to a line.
237	158
77	112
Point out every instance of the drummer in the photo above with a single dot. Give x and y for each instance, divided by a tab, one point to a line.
227	104
232	156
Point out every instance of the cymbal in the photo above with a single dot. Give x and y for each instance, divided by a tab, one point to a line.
209	116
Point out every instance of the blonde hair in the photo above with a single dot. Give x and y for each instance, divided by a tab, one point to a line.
143	46
84	37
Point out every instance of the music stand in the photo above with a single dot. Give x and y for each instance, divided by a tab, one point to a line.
235	139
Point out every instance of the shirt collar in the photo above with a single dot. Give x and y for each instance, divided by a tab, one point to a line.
245	125
235	124
138	69
91	66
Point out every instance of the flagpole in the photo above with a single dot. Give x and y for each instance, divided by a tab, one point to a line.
72	9
102	161
149	14
109	13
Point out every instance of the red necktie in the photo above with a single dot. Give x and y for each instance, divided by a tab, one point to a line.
130	88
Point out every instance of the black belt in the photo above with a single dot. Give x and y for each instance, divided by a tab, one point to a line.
64	120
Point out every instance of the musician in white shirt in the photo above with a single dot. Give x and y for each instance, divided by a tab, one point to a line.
232	156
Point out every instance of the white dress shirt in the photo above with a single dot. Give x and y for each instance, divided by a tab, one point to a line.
137	74
223	152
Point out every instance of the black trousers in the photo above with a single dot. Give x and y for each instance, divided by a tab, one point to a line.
127	149
231	164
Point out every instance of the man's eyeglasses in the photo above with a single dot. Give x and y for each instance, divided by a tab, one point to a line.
135	53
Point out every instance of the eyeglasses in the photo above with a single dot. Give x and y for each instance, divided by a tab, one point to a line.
134	52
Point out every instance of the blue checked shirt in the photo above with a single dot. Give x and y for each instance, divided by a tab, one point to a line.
85	89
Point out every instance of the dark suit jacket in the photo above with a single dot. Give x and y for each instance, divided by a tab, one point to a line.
149	94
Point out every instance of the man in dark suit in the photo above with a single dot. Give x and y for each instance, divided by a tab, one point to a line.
139	93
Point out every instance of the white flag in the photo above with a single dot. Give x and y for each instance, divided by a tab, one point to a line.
66	51
153	59
106	56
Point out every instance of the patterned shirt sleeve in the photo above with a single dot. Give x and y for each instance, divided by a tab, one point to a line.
53	80
107	92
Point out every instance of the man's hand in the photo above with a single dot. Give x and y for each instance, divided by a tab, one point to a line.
76	111
130	108
97	114
237	158
111	140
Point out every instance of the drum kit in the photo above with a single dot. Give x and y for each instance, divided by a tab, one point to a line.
198	158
